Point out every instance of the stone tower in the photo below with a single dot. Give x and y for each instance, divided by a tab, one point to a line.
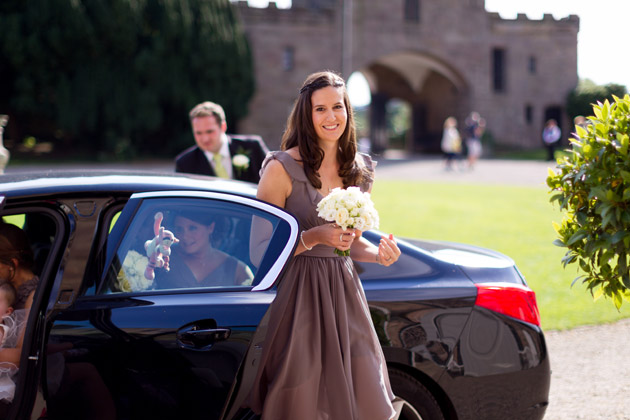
443	57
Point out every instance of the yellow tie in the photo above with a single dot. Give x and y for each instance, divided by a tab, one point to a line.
219	169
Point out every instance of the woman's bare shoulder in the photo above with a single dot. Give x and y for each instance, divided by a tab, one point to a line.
275	169
275	184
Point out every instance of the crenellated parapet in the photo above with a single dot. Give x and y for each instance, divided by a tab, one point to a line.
548	22
298	13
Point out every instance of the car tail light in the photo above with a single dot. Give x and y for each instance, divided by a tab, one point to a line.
510	299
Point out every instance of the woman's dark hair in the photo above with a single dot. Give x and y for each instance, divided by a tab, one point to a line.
300	132
206	217
203	217
14	244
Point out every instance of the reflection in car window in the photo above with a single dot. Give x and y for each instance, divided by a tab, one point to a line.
186	243
407	266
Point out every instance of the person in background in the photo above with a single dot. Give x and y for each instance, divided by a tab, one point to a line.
551	137
216	153
321	358
580	121
475	126
451	142
4	153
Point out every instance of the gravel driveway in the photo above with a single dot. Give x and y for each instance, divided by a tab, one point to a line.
590	372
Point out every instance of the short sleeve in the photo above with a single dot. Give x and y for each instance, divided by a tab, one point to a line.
368	167
293	168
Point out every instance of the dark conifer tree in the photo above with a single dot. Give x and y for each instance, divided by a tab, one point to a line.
118	77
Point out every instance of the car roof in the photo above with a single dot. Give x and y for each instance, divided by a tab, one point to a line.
60	182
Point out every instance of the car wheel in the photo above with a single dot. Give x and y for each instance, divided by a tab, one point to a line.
414	399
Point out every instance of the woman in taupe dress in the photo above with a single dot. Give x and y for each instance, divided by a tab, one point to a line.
321	358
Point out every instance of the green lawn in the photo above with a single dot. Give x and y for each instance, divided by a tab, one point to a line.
516	221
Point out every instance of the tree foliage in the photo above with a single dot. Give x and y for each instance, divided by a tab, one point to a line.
592	186
581	99
119	76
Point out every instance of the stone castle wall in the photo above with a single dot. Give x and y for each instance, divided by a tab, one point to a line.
444	58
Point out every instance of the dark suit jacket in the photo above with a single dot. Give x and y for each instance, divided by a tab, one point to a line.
194	161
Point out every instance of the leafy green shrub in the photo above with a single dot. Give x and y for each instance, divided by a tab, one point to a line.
592	185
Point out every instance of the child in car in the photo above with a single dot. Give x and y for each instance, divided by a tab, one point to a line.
8	338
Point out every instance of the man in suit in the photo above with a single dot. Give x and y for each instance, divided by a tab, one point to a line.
216	153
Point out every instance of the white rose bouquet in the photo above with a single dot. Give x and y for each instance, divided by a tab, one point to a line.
131	275
348	208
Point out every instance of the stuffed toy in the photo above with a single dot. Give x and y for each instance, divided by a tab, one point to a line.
159	248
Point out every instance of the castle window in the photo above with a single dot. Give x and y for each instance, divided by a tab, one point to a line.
288	58
529	114
531	64
498	69
412	10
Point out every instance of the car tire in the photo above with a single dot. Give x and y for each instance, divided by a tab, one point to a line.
416	400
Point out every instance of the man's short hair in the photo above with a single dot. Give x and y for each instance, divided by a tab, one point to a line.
207	109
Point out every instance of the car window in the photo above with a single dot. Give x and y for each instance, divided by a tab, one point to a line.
189	243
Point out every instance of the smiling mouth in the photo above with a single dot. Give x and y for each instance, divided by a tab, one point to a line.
331	127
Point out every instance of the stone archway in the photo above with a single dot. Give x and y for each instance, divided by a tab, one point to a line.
445	53
433	89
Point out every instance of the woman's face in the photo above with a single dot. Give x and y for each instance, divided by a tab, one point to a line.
329	113
193	237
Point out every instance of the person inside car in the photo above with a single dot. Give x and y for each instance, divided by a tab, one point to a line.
16	264
195	261
7	299
9	332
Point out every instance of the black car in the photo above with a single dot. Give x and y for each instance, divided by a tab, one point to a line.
458	325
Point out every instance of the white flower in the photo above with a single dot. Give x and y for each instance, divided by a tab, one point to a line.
131	275
349	208
342	217
240	161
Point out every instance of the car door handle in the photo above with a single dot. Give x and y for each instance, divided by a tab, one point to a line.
214	333
196	337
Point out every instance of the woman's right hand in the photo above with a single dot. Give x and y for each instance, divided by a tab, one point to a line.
332	235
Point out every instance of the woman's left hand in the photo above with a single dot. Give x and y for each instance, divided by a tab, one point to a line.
388	251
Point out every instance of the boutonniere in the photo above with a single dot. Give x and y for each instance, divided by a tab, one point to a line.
240	160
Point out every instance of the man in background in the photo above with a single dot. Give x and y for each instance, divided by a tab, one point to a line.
551	137
216	153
